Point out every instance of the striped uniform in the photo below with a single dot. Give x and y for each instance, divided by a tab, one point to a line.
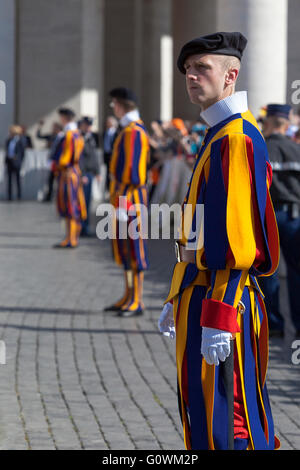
239	241
128	171
70	197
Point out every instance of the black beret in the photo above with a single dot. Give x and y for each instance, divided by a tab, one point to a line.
66	112
231	44
87	120
280	110
123	93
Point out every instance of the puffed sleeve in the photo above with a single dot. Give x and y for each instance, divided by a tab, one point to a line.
64	150
129	159
236	233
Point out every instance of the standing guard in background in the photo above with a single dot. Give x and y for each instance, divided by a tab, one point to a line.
217	304
128	172
285	192
70	197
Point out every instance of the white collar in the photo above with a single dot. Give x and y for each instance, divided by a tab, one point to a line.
71	126
130	117
223	109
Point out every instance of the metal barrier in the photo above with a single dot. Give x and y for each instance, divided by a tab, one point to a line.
173	183
34	176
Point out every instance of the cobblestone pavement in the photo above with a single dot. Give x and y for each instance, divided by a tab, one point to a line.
76	378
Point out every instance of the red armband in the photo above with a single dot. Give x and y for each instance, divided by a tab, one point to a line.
216	314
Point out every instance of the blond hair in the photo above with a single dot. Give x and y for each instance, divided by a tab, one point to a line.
16	129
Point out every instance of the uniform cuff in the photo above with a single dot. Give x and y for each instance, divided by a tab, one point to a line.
216	314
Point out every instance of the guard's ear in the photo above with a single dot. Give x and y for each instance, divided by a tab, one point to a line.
231	76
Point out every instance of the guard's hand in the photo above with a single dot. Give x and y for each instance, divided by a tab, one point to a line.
122	214
166	321
215	345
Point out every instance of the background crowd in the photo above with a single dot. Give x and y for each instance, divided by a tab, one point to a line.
179	141
168	140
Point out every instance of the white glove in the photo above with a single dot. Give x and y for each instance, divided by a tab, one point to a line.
121	214
166	321
215	345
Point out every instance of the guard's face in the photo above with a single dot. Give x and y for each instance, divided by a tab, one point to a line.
63	120
205	78
117	108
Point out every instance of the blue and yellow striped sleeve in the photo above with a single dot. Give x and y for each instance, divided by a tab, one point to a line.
64	153
239	236
130	154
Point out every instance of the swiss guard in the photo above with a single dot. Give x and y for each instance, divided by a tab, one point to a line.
70	197
228	237
128	172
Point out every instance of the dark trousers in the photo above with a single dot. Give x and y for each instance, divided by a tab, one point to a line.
13	173
87	189
289	233
106	158
51	178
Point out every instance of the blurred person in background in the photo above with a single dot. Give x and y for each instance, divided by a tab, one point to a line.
109	136
297	137
15	151
70	197
26	138
192	143
157	141
128	177
178	132
285	192
261	116
52	139
294	123
90	167
197	136
48	138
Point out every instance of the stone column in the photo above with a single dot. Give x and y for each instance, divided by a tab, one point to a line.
133	33
156	62
92	60
119	46
59	59
7	71
191	18
264	64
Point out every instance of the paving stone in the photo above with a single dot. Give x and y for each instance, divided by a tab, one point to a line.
78	378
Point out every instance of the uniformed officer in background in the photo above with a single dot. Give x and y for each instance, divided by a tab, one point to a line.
285	192
128	174
70	197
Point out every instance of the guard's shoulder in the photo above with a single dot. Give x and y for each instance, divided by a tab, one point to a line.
229	138
252	141
131	128
69	134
